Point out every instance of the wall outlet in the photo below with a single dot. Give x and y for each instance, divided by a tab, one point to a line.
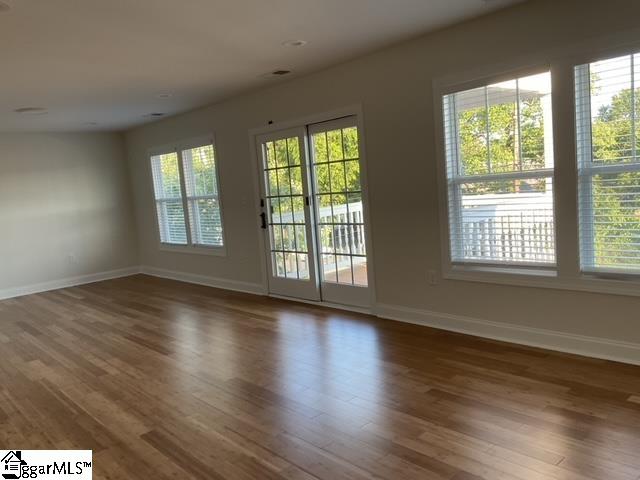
433	277
72	259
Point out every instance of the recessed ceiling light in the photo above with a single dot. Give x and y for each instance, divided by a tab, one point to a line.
32	110
4	7
164	95
294	43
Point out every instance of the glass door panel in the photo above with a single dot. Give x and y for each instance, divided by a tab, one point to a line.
339	212
286	215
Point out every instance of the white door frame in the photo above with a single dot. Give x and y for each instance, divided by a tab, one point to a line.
352	110
296	287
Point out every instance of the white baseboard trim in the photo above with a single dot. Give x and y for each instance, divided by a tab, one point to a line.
605	349
67	282
235	285
601	348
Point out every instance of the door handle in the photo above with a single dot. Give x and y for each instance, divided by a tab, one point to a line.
263	220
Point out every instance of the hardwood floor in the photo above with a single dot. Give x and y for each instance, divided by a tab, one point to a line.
167	380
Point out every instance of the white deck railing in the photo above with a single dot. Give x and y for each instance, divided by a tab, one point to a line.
343	227
516	227
509	239
347	234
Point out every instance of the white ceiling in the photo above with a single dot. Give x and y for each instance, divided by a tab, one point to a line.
106	61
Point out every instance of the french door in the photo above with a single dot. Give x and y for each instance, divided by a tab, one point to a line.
286	214
313	214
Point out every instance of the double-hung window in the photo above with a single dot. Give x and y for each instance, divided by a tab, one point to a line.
499	173
187	198
608	139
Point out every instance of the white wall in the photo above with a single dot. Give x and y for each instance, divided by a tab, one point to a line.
65	208
394	87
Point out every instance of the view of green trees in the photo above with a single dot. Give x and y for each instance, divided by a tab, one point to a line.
201	162
202	190
336	166
167	183
202	193
616	197
497	140
491	141
166	179
336	173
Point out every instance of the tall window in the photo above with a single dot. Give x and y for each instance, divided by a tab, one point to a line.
607	112
168	192
499	154
185	180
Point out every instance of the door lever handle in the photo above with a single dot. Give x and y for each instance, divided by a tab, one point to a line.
263	219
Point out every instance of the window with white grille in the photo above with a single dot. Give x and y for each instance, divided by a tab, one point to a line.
186	180
169	202
499	168
607	111
202	195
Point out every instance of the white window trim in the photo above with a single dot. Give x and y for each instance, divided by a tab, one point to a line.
193	249
599	281
478	270
190	247
586	171
562	276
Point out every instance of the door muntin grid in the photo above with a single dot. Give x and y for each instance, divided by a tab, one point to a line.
339	212
284	170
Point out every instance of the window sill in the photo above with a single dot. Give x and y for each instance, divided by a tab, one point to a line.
194	250
545	278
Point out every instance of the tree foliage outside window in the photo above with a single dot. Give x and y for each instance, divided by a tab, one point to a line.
202	195
334	182
337	168
196	167
500	172
610	196
502	145
168	193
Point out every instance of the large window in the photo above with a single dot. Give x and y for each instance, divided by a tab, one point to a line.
607	111
185	180
499	168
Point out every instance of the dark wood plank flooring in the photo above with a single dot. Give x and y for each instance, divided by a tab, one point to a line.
168	380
